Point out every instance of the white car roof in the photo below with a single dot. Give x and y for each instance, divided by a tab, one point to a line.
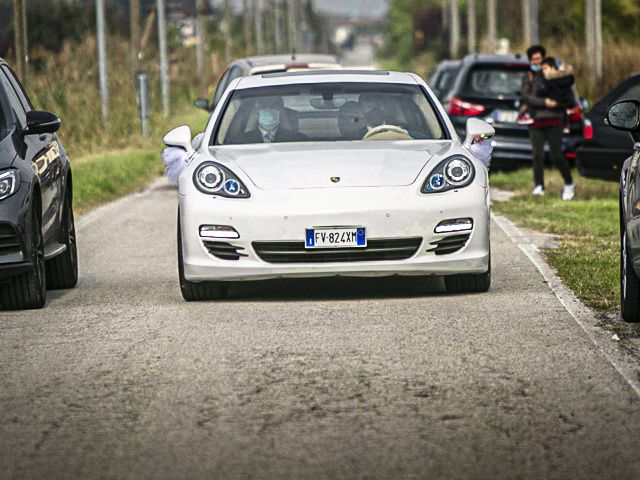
326	76
298	58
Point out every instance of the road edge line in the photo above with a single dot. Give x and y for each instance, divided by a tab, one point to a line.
580	313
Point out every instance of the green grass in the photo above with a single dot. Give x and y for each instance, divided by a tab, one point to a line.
587	229
100	178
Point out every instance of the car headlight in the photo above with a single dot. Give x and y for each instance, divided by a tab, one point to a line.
9	183
215	179
454	172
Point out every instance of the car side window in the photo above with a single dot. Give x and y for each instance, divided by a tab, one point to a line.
22	95
19	112
222	85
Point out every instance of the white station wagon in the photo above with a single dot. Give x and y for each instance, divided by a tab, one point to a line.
313	174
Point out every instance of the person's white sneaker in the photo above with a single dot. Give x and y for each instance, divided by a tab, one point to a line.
568	192
538	191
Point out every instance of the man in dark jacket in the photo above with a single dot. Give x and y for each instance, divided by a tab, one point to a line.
547	126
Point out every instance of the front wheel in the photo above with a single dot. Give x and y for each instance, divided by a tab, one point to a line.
469	282
629	285
192	291
62	270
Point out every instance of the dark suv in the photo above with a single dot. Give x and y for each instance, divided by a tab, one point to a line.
488	87
37	233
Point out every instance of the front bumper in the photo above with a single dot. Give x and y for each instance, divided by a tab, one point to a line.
385	212
14	230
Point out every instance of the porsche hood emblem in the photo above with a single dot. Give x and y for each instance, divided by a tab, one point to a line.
335	179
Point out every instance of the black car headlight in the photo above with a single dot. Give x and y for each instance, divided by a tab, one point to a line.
215	179
9	183
454	172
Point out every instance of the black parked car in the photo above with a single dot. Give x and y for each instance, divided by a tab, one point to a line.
605	149
37	232
443	77
488	87
625	116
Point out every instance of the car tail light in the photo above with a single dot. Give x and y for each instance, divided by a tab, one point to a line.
459	107
587	130
570	155
575	114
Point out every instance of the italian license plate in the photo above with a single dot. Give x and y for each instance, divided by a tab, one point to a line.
339	237
505	116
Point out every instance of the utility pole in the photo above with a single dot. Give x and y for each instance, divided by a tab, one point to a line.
201	45
535	24
445	15
526	23
277	19
492	13
593	37
227	31
293	25
598	39
259	20
454	31
164	58
102	60
471	26
134	30
20	37
246	26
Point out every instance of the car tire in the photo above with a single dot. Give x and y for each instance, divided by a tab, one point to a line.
469	283
629	285
193	291
28	290
62	270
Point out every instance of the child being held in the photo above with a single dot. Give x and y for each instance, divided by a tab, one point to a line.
558	83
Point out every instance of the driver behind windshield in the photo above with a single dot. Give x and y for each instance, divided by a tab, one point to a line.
352	122
269	128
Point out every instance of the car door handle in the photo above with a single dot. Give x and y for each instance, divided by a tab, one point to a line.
43	137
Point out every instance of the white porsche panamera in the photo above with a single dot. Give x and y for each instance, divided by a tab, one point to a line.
311	174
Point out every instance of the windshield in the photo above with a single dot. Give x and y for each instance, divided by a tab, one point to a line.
496	81
328	112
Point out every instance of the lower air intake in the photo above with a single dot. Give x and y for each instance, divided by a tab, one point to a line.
376	250
224	250
449	244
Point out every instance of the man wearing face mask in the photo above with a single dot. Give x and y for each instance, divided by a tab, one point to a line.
547	126
269	126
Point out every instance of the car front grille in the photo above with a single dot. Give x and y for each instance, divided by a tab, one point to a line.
224	250
449	244
9	240
376	250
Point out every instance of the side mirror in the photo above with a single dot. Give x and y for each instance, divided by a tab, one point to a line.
478	130
179	137
41	122
201	103
624	115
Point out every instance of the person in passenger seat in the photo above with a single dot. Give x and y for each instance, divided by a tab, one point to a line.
269	126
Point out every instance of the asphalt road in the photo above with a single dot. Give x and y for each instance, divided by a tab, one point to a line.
340	378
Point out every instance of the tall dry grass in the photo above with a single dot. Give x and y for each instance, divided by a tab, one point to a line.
67	84
620	60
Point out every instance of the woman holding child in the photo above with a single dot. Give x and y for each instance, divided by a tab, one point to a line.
546	94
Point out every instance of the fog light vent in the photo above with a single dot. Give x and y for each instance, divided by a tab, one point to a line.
454	225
